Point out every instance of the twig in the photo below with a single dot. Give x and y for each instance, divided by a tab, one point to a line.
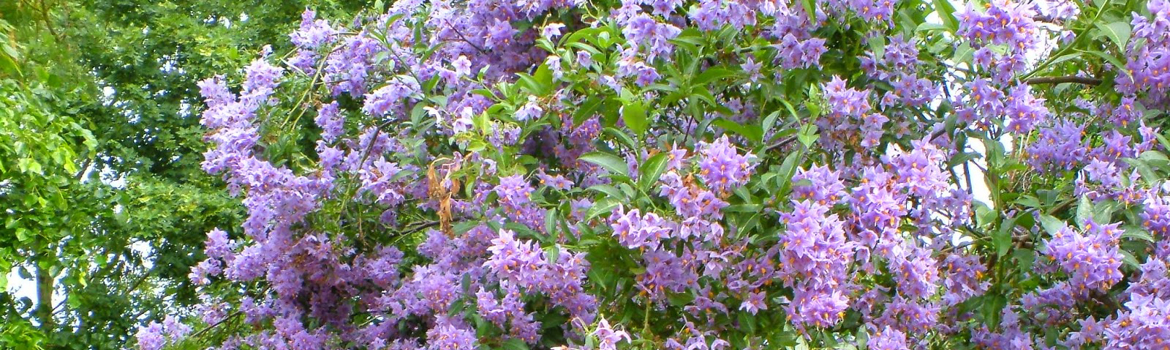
460	34
779	144
222	321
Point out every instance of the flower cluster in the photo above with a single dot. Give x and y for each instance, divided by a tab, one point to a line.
722	167
1091	259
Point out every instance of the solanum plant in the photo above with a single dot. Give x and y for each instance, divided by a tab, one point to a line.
695	175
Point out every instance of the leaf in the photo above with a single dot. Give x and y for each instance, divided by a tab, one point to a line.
713	74
1084	211
608	161
1002	239
544	80
1024	259
515	344
1116	62
609	190
634	115
652	169
964	53
787	171
808	135
1051	225
23	234
601	207
750	132
1137	233
877	44
946	11
621	137
1118	32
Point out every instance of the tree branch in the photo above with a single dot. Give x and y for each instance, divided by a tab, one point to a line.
1062	80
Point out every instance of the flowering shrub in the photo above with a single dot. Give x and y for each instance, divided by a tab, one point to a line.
697	175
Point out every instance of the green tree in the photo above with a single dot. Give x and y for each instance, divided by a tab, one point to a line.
105	203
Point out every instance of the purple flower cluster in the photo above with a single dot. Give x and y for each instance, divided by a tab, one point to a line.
1058	148
392	97
1005	22
155	336
634	230
1149	62
814	261
722	167
851	121
1091	259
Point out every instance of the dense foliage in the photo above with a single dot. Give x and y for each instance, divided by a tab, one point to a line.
698	174
104	203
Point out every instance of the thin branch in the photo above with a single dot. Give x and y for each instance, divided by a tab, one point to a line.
460	34
222	321
779	144
1062	80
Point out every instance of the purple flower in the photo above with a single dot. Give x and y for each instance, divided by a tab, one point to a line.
722	168
530	110
824	185
887	339
1059	147
500	34
312	34
447	336
392	96
462	66
151	337
551	30
754	303
331	121
608	336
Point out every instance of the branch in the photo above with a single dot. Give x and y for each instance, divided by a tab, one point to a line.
779	144
1062	80
225	319
460	34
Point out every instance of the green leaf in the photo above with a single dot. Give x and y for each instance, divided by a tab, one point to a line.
1118	32
808	135
1051	224
787	171
622	137
515	344
652	169
587	109
1024	259
608	161
1137	233
877	44
634	114
23	234
1002	239
712	74
609	190
544	80
946	11
750	132
1116	62
1084	211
